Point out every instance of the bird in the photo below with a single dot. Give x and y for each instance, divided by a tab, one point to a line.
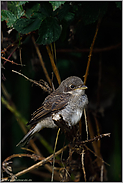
68	101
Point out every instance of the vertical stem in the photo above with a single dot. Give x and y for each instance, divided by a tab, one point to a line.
55	70
42	62
54	154
91	49
86	123
83	167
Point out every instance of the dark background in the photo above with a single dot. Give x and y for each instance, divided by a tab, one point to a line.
104	84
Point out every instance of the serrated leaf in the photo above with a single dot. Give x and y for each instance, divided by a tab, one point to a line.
56	4
49	31
25	26
9	17
15	8
119	4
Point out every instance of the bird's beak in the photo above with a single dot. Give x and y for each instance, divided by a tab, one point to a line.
83	87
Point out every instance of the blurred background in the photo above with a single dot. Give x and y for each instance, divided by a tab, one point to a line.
72	49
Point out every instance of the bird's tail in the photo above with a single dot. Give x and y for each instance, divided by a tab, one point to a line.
27	137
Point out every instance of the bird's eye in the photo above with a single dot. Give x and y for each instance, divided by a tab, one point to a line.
72	86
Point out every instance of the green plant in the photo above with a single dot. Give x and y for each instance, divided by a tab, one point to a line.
50	18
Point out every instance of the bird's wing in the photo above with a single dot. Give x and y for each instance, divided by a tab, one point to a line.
52	104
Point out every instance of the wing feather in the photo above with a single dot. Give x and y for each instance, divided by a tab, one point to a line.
52	104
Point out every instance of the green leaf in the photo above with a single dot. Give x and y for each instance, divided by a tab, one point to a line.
12	7
56	4
16	8
4	15
9	17
49	31
25	26
119	4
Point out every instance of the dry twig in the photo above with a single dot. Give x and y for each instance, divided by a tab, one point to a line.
91	49
41	61
54	153
11	61
95	50
6	161
102	169
55	70
97	155
12	53
11	45
46	88
83	167
42	162
95	138
86	122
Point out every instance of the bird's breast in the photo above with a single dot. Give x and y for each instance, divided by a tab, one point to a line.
76	116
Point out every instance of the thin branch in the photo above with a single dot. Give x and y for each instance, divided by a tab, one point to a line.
26	149
95	138
11	61
102	170
41	61
54	153
83	167
97	155
12	52
46	89
55	70
32	156
95	50
20	55
86	123
6	163
91	49
10	46
39	163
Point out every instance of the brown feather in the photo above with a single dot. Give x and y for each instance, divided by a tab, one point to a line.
52	104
